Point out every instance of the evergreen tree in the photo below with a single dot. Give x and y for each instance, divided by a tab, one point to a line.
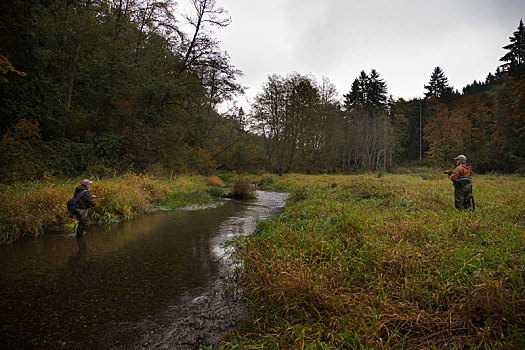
368	92
355	97
438	85
376	91
474	88
515	58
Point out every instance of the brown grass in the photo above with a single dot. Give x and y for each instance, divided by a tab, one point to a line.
214	181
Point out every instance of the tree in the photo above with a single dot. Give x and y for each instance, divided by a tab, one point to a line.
438	85
5	68
269	113
356	95
376	91
332	126
515	58
408	121
289	114
447	134
118	78
19	152
368	92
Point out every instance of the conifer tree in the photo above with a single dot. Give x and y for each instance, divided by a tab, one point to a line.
368	92
515	58
438	85
355	97
376	90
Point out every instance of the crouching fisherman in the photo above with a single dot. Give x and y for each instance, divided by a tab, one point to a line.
85	201
461	177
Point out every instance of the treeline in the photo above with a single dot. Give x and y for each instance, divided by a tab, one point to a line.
102	86
105	86
306	128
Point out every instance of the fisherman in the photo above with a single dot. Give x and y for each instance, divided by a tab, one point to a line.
461	178
83	204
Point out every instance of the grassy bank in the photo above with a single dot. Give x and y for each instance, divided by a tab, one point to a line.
27	210
372	262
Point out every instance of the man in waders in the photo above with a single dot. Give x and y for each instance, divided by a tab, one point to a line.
461	178
84	202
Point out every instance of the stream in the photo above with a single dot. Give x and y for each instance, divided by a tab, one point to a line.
158	281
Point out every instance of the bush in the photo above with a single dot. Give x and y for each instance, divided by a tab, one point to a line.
214	180
242	189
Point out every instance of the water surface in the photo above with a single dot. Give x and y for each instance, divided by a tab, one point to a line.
99	291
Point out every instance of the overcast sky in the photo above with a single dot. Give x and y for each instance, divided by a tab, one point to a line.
403	40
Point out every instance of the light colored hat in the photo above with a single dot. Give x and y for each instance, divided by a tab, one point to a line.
462	157
86	182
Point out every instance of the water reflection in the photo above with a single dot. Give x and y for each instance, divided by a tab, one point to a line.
64	292
79	262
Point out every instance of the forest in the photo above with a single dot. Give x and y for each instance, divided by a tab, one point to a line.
104	87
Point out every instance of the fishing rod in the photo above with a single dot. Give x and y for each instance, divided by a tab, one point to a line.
105	194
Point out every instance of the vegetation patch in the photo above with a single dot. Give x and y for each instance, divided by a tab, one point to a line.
28	209
242	189
387	262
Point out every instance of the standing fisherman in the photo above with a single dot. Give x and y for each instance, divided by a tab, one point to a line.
461	178
84	202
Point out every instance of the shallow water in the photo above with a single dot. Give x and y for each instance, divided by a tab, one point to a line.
106	289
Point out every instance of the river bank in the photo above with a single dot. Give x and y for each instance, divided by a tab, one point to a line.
27	210
385	261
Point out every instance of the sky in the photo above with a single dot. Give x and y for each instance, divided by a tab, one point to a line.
404	40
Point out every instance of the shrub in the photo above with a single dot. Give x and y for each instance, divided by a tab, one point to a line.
242	189
214	180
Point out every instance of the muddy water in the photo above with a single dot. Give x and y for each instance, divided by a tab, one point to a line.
152	282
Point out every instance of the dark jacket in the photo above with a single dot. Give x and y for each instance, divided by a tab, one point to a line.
85	201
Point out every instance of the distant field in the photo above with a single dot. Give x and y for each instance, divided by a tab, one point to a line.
372	261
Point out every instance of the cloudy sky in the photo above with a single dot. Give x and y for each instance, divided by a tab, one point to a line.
402	39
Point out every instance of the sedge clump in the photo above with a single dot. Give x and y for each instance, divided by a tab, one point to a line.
242	189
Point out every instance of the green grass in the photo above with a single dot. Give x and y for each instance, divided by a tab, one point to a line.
370	262
180	199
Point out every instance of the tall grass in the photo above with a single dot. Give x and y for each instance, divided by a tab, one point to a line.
242	189
27	210
387	262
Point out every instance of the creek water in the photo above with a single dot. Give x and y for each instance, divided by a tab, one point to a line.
122	285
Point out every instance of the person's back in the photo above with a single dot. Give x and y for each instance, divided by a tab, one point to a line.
85	201
461	177
462	172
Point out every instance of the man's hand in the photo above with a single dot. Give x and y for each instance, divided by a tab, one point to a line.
448	172
93	196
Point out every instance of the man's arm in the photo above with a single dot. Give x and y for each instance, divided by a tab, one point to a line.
87	197
455	174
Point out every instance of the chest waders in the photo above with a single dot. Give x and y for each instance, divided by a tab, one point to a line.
469	202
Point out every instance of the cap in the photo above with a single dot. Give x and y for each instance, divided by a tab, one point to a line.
462	157
86	182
